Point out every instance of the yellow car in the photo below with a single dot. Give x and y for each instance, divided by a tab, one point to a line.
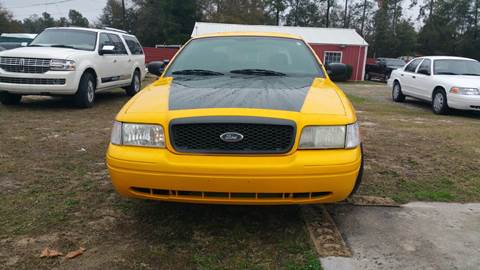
239	118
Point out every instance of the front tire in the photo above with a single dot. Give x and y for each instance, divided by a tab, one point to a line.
439	102
397	94
135	85
85	96
10	99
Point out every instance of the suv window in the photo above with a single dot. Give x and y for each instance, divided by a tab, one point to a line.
117	42
413	65
104	40
425	67
133	45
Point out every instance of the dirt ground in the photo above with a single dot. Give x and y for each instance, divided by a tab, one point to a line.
55	190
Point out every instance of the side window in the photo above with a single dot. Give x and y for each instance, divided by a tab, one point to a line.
413	65
332	57
425	67
104	40
117	42
133	45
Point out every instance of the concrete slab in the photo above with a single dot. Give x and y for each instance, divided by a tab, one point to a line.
415	236
337	263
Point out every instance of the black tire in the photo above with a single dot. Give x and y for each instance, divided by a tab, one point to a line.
439	102
10	99
85	96
397	95
367	77
358	181
135	85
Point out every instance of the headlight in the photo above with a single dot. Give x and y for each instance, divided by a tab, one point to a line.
137	135
330	137
465	91
59	64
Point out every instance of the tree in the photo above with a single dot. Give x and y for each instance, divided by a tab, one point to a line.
7	23
76	19
276	7
36	24
112	16
303	13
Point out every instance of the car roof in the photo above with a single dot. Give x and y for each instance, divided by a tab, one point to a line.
109	30
437	57
255	34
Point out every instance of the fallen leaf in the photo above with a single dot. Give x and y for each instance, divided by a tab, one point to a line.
75	253
50	253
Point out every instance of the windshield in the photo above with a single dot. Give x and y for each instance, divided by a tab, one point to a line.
395	62
456	67
258	56
66	38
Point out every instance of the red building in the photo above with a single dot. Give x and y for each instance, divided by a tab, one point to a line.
332	45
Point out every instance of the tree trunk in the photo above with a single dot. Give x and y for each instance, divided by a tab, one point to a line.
394	23
345	16
328	14
363	17
432	2
475	31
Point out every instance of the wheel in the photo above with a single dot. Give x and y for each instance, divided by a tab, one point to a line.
10	99
397	94
367	76
439	102
135	85
85	95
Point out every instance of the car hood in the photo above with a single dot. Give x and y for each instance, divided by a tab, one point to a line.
266	95
43	52
459	80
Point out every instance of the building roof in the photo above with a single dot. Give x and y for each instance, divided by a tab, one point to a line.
313	35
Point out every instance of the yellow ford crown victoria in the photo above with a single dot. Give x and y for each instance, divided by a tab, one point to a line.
238	118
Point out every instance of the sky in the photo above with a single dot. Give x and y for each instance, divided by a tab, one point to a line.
93	8
21	9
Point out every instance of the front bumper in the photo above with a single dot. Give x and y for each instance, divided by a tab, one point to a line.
464	102
44	88
313	176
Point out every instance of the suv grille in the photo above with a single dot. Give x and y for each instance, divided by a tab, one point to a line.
260	135
32	81
24	65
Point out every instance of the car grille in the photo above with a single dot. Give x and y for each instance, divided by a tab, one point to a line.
32	81
232	196
24	65
260	135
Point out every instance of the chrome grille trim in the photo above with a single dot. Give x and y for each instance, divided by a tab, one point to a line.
25	65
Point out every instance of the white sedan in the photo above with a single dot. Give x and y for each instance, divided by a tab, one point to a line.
445	81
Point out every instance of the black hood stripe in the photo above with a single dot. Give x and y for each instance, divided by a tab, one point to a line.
254	92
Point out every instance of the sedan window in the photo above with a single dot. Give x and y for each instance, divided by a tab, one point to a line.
425	67
413	65
456	67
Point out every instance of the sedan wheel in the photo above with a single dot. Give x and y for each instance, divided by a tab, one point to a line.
439	103
397	94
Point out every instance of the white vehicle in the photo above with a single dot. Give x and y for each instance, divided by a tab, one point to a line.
72	61
445	81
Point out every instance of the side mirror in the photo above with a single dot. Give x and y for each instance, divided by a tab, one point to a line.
24	44
107	49
424	72
157	67
337	72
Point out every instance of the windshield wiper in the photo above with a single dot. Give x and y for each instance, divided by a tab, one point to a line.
199	72
262	72
471	74
62	46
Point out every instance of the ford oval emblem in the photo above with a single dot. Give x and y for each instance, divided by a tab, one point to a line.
231	137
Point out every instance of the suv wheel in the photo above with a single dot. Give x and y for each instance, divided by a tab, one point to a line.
10	99
397	94
367	76
439	102
85	95
135	85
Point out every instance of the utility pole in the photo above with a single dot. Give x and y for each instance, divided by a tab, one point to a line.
123	15
432	2
475	32
394	23
345	16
